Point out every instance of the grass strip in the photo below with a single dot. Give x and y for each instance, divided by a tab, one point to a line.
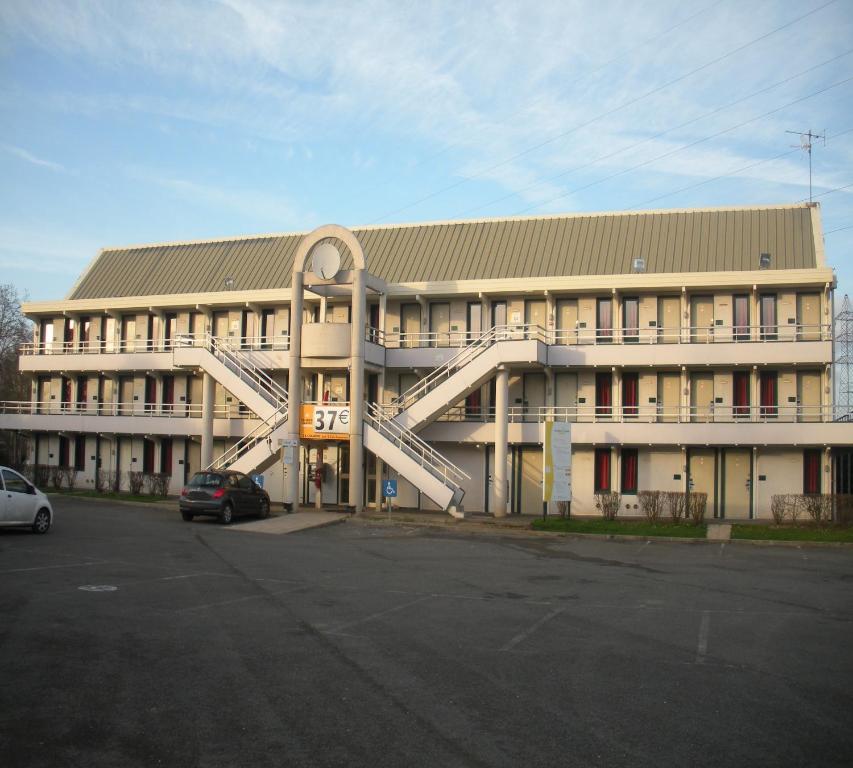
623	527
792	533
108	495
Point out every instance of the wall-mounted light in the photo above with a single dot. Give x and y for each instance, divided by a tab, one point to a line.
764	261
639	264
229	283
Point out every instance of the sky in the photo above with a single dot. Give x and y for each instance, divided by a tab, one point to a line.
125	122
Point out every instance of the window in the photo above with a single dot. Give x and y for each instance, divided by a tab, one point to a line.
602	470
85	330
630	465
65	393
767	305
740	318
64	452
630	394
473	406
811	471
768	393
82	391
740	394
631	320
68	336
14	482
150	393
148	456
604	321
80	453
166	456
267	328
603	394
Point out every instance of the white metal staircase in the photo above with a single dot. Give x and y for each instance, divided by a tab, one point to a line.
465	371
246	381
420	464
257	450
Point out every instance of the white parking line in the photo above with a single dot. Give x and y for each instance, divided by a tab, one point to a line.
530	630
338	629
702	645
52	567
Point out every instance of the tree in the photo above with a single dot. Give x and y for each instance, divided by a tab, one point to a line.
15	330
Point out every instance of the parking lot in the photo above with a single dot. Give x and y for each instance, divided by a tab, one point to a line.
132	638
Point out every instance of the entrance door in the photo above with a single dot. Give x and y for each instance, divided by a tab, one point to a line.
566	385
701	474
125	398
439	324
669	322
808	395
567	321
220	325
410	324
529	481
737	483
701	396
701	318
535	314
498	313
128	333
808	316
474	320
668	396
533	385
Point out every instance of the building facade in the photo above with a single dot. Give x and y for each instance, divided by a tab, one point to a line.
690	350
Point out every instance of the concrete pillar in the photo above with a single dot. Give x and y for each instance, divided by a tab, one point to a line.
356	440
294	395
501	438
207	406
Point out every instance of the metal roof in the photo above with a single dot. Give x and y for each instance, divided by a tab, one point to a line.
694	240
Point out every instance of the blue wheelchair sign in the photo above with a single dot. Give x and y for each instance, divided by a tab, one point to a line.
389	489
258	480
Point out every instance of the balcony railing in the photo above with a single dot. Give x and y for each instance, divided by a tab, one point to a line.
136	408
124	346
580	336
651	414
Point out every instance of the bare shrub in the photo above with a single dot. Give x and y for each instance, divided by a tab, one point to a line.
651	503
795	502
56	476
696	504
135	481
562	508
818	506
778	505
157	483
28	471
41	475
69	477
675	503
102	480
608	503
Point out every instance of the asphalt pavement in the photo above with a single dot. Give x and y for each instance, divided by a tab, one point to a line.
131	638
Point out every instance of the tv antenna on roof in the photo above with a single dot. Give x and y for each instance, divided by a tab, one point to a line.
806	140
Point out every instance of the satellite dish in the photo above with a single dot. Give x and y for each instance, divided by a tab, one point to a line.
326	261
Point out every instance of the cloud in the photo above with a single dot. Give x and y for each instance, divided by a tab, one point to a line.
29	157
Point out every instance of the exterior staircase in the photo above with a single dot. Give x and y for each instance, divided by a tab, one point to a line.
420	464
469	369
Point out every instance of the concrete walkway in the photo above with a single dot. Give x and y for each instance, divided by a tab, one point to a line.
281	524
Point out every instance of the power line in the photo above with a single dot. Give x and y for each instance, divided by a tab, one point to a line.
838	229
585	75
729	173
828	192
607	113
681	148
651	138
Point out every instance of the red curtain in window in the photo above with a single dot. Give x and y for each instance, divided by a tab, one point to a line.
472	405
768	394
603	396
629	471
602	470
630	394
740	399
811	472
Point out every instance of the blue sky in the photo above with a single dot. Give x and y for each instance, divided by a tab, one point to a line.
126	122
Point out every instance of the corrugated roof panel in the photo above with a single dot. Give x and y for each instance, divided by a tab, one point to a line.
500	248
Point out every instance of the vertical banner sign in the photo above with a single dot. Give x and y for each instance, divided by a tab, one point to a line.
557	461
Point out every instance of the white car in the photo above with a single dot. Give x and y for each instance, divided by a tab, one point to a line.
22	504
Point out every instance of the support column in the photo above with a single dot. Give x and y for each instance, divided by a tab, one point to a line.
356	440
501	438
208	395
294	390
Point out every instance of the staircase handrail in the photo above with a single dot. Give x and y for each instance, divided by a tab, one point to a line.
265	385
247	442
508	332
415	448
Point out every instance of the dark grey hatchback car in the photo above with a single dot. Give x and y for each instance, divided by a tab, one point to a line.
224	495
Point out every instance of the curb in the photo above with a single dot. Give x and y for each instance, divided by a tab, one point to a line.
471	527
167	503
